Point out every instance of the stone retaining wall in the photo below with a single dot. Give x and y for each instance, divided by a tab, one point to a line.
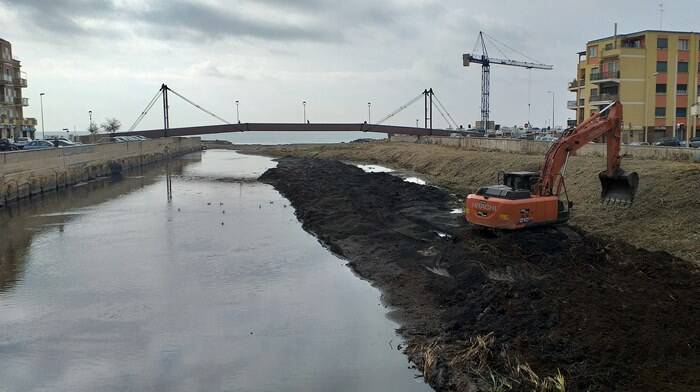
27	173
540	148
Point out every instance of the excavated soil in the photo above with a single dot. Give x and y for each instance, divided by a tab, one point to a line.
540	309
665	215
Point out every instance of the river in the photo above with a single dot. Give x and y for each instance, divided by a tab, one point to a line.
108	287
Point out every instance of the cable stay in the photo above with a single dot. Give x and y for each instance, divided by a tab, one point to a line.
145	111
402	107
451	120
198	107
165	88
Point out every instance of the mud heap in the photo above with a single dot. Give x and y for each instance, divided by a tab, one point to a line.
540	309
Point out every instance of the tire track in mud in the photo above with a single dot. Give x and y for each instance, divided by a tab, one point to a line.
512	310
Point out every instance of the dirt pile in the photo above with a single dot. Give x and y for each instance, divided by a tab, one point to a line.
534	310
665	216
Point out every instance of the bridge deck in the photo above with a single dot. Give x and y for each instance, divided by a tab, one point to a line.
287	127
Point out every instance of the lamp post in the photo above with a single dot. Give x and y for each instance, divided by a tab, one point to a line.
41	101
552	123
67	133
646	113
417	121
304	104
369	112
238	115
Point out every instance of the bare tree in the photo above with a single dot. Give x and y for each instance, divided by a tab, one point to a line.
111	125
92	128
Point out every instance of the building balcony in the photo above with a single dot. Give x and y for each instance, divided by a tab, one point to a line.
6	100
573	106
21	101
575	85
30	122
21	83
603	99
602	77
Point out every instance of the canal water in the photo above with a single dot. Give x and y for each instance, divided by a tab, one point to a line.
107	287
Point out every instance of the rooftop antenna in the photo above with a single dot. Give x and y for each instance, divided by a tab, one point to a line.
661	16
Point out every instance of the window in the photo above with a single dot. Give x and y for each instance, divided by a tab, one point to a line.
682	66
608	46
661	88
682	44
661	66
593	51
681	112
662	43
660	112
682	89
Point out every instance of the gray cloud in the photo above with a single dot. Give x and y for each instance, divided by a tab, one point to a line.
193	21
182	19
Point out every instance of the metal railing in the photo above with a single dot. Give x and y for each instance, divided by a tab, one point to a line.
571	105
603	97
605	75
22	82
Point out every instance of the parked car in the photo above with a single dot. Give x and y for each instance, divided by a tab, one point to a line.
38	145
20	142
668	142
639	144
5	145
63	143
695	142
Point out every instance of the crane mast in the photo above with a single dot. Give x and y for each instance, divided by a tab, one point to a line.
485	62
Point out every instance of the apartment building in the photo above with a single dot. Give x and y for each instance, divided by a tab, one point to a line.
653	73
12	121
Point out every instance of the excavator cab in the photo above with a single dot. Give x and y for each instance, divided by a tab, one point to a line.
618	189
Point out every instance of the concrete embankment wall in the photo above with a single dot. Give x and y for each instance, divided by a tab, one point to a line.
540	148
26	173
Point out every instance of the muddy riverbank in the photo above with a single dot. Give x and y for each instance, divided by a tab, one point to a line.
665	216
540	309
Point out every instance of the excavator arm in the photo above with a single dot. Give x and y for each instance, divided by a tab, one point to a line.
618	186
527	199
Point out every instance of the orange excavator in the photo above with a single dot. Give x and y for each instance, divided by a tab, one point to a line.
528	198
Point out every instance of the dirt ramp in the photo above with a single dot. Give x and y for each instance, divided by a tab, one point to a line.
538	309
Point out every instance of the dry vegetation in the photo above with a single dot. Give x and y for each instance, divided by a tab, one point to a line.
665	216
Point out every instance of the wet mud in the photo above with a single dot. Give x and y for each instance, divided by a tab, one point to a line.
541	309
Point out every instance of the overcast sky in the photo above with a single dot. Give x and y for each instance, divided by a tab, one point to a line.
111	56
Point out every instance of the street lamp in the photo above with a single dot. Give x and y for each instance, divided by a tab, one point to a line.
67	133
304	104
238	115
369	112
646	113
552	123
417	121
41	100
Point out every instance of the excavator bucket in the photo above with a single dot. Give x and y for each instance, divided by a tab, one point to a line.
618	189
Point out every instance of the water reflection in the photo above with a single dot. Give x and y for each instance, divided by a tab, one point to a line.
115	289
21	221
